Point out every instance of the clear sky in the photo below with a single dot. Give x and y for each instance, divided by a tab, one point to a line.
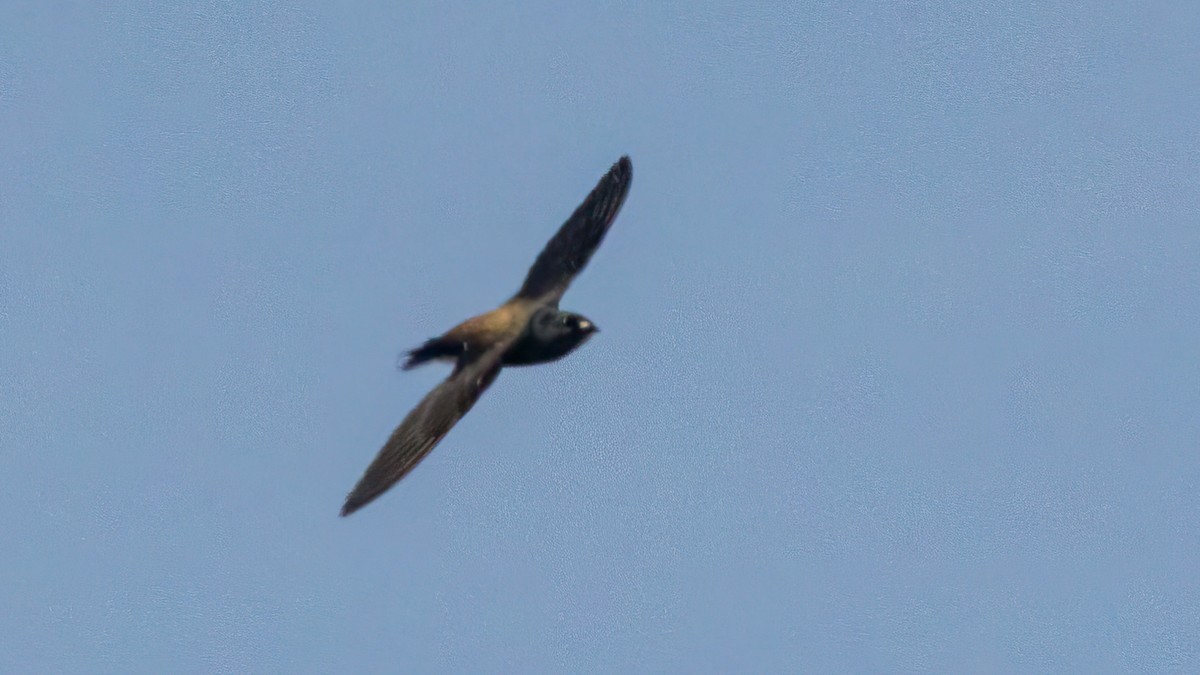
899	364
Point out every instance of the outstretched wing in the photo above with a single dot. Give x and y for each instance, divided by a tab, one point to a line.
432	419
568	252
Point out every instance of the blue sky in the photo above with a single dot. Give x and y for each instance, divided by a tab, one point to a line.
898	366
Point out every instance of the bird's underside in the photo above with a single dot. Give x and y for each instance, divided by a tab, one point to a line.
527	329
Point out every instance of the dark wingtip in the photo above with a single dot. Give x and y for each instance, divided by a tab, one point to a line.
623	165
354	502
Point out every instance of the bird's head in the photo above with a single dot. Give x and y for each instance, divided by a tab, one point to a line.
577	324
557	333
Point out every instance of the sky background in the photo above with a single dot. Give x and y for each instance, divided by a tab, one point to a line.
898	368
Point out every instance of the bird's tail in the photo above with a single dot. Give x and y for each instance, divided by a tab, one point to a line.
434	348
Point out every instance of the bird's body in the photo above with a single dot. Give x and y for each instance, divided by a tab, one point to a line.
528	329
543	333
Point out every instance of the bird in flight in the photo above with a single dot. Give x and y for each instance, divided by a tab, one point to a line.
527	329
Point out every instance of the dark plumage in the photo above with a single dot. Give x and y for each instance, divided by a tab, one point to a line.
527	329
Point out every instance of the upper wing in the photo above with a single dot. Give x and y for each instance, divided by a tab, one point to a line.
567	253
424	427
